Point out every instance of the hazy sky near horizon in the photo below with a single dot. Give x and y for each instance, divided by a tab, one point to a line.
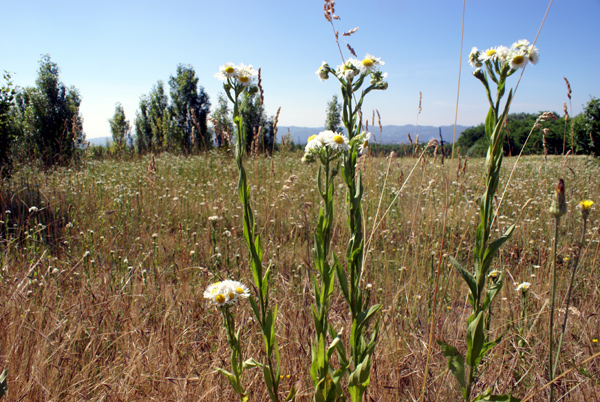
115	51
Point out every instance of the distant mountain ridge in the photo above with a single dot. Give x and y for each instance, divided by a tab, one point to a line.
390	134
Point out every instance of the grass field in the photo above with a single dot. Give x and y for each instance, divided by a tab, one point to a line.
103	271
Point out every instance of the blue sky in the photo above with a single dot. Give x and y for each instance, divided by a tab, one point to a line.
115	51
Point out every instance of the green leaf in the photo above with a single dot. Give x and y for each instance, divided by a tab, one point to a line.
490	122
456	363
475	339
251	363
494	246
466	276
3	382
342	278
486	348
291	396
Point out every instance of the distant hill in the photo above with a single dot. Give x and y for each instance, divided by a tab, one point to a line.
389	135
99	140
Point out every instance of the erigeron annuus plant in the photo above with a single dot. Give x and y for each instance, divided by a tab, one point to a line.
352	75
499	63
239	82
225	295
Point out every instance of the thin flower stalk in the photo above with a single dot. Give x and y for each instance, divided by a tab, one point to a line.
351	76
239	82
499	63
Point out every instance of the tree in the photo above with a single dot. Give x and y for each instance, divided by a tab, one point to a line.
189	110
222	123
7	95
260	130
150	118
50	125
587	129
333	121
120	128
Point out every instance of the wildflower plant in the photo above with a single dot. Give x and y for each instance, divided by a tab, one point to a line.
225	295
239	83
495	65
352	75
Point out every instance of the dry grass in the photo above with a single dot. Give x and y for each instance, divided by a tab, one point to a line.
104	310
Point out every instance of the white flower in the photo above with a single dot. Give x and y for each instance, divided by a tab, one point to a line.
534	55
370	63
474	58
489	54
518	59
213	218
521	44
503	54
523	287
226	292
348	70
33	209
323	72
336	142
245	75
364	141
226	71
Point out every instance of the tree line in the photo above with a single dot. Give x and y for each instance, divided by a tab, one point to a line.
44	123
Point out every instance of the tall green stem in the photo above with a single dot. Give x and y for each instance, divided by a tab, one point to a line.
552	300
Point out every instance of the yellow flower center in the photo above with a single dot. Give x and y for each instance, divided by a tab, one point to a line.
367	63
231	295
213	291
518	59
220	299
244	79
490	52
312	137
338	139
229	70
239	290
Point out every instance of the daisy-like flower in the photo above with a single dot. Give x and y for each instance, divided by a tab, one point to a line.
364	139
323	71
521	44
348	70
245	75
523	287
518	60
533	54
336	142
494	275
474	58
503	55
489	54
313	144
226	292
370	64
226	71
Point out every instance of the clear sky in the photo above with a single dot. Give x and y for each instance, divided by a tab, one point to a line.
115	51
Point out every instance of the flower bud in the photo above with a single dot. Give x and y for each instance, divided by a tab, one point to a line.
559	206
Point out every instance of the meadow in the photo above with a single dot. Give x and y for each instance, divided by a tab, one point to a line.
103	270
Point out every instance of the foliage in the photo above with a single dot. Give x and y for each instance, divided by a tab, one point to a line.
50	125
587	129
151	121
189	110
518	126
7	95
120	128
333	122
259	129
222	123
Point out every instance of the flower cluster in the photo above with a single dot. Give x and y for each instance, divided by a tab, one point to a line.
370	65
240	75
514	57
226	293
328	145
